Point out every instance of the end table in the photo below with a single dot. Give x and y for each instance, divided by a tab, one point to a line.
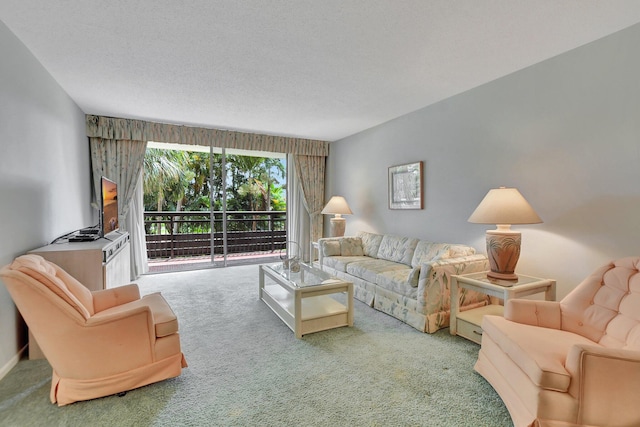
468	323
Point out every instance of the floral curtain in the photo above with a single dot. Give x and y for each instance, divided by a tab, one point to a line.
120	161
310	171
298	221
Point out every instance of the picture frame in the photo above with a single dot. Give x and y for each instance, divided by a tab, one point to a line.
405	186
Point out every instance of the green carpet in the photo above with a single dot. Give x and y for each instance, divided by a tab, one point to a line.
246	368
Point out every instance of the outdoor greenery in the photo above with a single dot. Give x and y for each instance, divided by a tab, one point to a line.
178	181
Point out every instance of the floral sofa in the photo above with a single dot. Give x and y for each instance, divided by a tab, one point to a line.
404	277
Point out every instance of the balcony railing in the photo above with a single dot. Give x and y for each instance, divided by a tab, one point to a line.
188	234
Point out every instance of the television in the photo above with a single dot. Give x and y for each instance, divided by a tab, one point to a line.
109	207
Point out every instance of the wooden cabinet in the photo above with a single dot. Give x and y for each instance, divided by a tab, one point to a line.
98	265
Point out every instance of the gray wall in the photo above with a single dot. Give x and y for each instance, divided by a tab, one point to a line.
45	189
565	132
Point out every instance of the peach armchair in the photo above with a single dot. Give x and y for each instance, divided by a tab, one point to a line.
575	362
98	343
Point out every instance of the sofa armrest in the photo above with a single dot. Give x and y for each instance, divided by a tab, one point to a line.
112	297
546	314
606	383
435	278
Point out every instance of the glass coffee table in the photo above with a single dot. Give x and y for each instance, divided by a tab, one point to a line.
306	300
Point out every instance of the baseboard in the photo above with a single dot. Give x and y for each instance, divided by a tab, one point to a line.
11	363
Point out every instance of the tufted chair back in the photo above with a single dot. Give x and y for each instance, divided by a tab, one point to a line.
605	307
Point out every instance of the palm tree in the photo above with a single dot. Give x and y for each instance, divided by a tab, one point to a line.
252	179
163	170
164	176
276	165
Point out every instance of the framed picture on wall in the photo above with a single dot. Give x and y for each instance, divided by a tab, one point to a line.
405	186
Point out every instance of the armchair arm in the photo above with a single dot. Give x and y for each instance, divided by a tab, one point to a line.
105	344
112	297
546	314
606	383
435	278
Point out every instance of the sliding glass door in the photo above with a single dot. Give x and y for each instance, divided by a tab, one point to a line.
206	206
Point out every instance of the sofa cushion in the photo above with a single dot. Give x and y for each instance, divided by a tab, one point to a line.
369	268
428	251
540	352
370	243
351	246
340	262
402	281
331	248
397	248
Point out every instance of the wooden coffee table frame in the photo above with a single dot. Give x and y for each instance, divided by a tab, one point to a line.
307	309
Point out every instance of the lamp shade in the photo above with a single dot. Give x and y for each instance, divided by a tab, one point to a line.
504	206
337	205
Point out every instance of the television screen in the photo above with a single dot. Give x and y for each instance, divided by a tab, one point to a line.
109	211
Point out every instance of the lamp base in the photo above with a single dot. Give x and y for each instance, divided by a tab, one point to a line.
503	250
501	276
338	226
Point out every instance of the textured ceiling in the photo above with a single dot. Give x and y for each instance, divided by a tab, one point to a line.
321	69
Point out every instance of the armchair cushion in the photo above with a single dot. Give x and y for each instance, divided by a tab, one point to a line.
111	297
605	306
539	352
164	319
46	273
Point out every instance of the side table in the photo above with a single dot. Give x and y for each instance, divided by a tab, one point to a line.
468	323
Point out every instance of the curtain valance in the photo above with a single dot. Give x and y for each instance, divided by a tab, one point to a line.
141	130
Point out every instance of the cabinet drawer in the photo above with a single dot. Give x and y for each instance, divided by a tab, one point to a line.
469	331
468	322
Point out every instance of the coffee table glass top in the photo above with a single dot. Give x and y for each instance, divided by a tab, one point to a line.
308	275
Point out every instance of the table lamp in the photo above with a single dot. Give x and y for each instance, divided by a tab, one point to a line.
503	207
337	206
